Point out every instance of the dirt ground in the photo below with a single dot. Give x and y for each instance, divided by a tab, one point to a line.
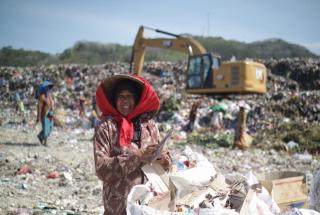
77	190
69	152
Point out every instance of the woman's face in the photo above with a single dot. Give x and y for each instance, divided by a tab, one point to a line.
125	102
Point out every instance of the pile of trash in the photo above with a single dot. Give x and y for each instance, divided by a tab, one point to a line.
304	71
194	187
288	98
284	125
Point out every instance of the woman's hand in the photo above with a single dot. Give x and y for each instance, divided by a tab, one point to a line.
147	154
165	160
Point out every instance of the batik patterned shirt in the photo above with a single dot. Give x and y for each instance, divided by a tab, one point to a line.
119	169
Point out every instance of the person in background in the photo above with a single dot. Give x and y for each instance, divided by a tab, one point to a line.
125	138
45	111
94	105
20	110
93	119
218	111
217	121
81	104
94	113
242	139
193	115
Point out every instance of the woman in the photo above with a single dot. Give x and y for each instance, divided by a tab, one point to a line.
45	111
126	137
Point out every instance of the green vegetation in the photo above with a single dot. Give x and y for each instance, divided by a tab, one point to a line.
272	48
170	104
85	52
20	57
95	53
157	54
307	135
208	139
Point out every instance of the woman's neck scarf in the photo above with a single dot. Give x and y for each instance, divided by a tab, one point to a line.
149	102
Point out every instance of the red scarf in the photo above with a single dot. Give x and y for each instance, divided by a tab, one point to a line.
149	101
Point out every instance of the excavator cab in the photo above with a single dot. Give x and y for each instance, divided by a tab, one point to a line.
207	75
199	72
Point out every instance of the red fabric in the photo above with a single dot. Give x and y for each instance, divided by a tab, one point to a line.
24	170
149	101
53	175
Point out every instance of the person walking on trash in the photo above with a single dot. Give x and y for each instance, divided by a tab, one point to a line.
193	116
45	111
217	122
126	137
81	104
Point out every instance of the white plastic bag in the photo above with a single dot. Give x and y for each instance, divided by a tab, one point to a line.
139	192
195	178
187	181
264	197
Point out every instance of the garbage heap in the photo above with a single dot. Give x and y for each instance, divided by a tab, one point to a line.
194	187
291	100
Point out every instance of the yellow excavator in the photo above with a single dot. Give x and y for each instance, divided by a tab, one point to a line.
205	73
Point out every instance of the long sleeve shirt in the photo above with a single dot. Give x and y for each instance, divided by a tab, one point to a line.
119	169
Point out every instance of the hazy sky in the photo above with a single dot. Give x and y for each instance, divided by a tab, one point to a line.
54	25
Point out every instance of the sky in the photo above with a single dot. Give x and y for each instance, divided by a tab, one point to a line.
53	26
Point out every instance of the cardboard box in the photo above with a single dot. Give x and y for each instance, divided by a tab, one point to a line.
288	189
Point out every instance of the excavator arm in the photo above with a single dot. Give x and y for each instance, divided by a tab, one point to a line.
205	73
179	43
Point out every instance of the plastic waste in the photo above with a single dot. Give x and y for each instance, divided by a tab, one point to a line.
291	144
53	175
303	157
24	170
